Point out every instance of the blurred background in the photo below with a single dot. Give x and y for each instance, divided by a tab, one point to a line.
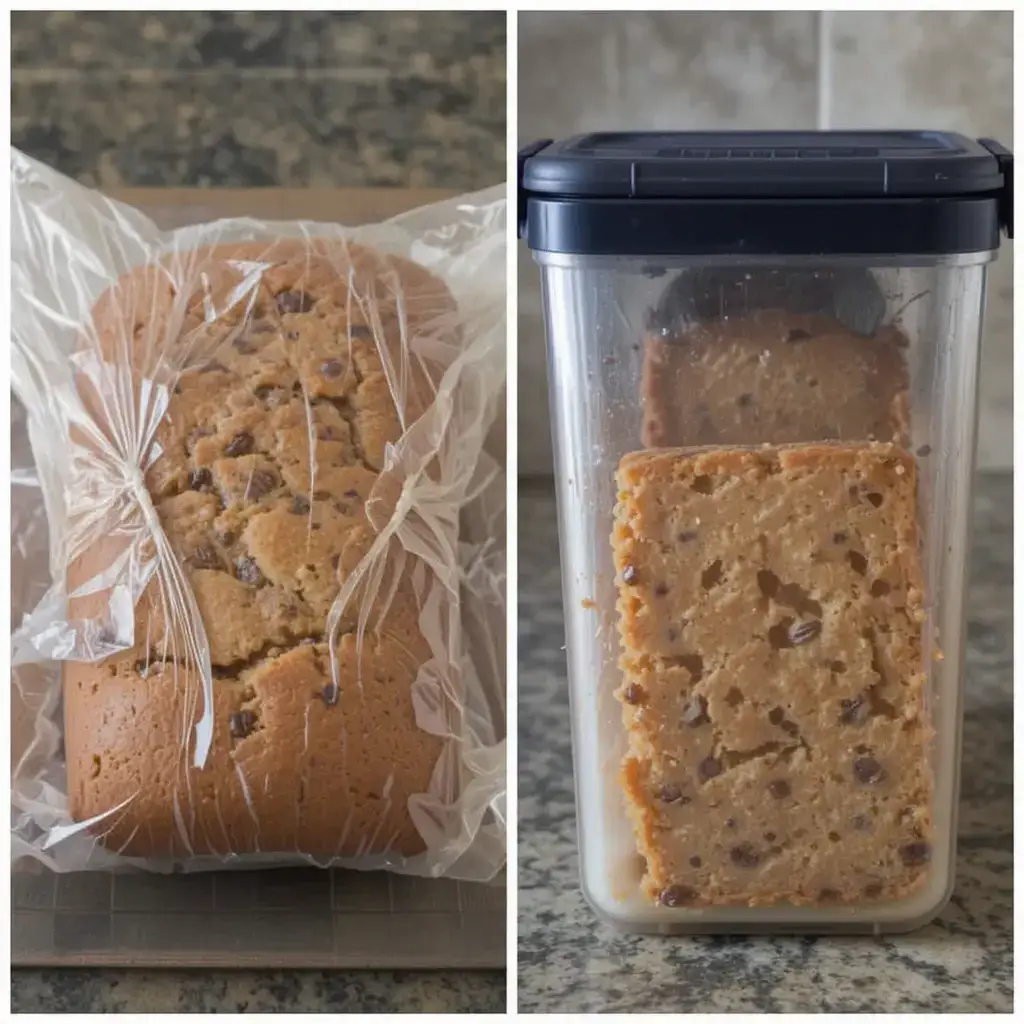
188	98
771	69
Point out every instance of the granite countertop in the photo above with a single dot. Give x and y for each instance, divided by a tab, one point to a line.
570	962
107	991
405	99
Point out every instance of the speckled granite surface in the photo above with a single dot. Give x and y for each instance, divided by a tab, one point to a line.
85	991
409	99
963	962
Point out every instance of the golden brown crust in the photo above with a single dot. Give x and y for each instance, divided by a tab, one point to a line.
774	377
770	612
290	371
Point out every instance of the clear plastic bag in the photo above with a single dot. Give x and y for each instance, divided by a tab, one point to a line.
271	628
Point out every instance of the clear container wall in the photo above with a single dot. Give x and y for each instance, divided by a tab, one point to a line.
648	354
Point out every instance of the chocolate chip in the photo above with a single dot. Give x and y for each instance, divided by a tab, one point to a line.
730	822
676	896
798	334
914	855
332	368
107	635
779	788
205	558
776	716
767	582
200	479
839	538
695	712
709	768
330	694
248	571
745	856
828	896
271	396
300	505
745	400
633	694
227	538
670	793
695	862
241	724
686	536
853	711
868	771
858	563
872	890
924	451
294	302
769	837
261	483
629	574
241	444
803	632
661	590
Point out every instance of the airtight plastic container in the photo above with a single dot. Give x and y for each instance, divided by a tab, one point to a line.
763	353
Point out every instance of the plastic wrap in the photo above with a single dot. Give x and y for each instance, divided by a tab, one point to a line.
271	628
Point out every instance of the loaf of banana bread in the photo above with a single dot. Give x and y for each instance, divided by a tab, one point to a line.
290	368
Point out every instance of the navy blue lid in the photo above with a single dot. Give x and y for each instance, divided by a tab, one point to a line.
764	193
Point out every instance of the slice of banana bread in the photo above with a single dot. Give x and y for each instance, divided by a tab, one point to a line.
770	611
773	377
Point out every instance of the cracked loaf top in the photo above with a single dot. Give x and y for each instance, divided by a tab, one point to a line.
290	368
773	689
